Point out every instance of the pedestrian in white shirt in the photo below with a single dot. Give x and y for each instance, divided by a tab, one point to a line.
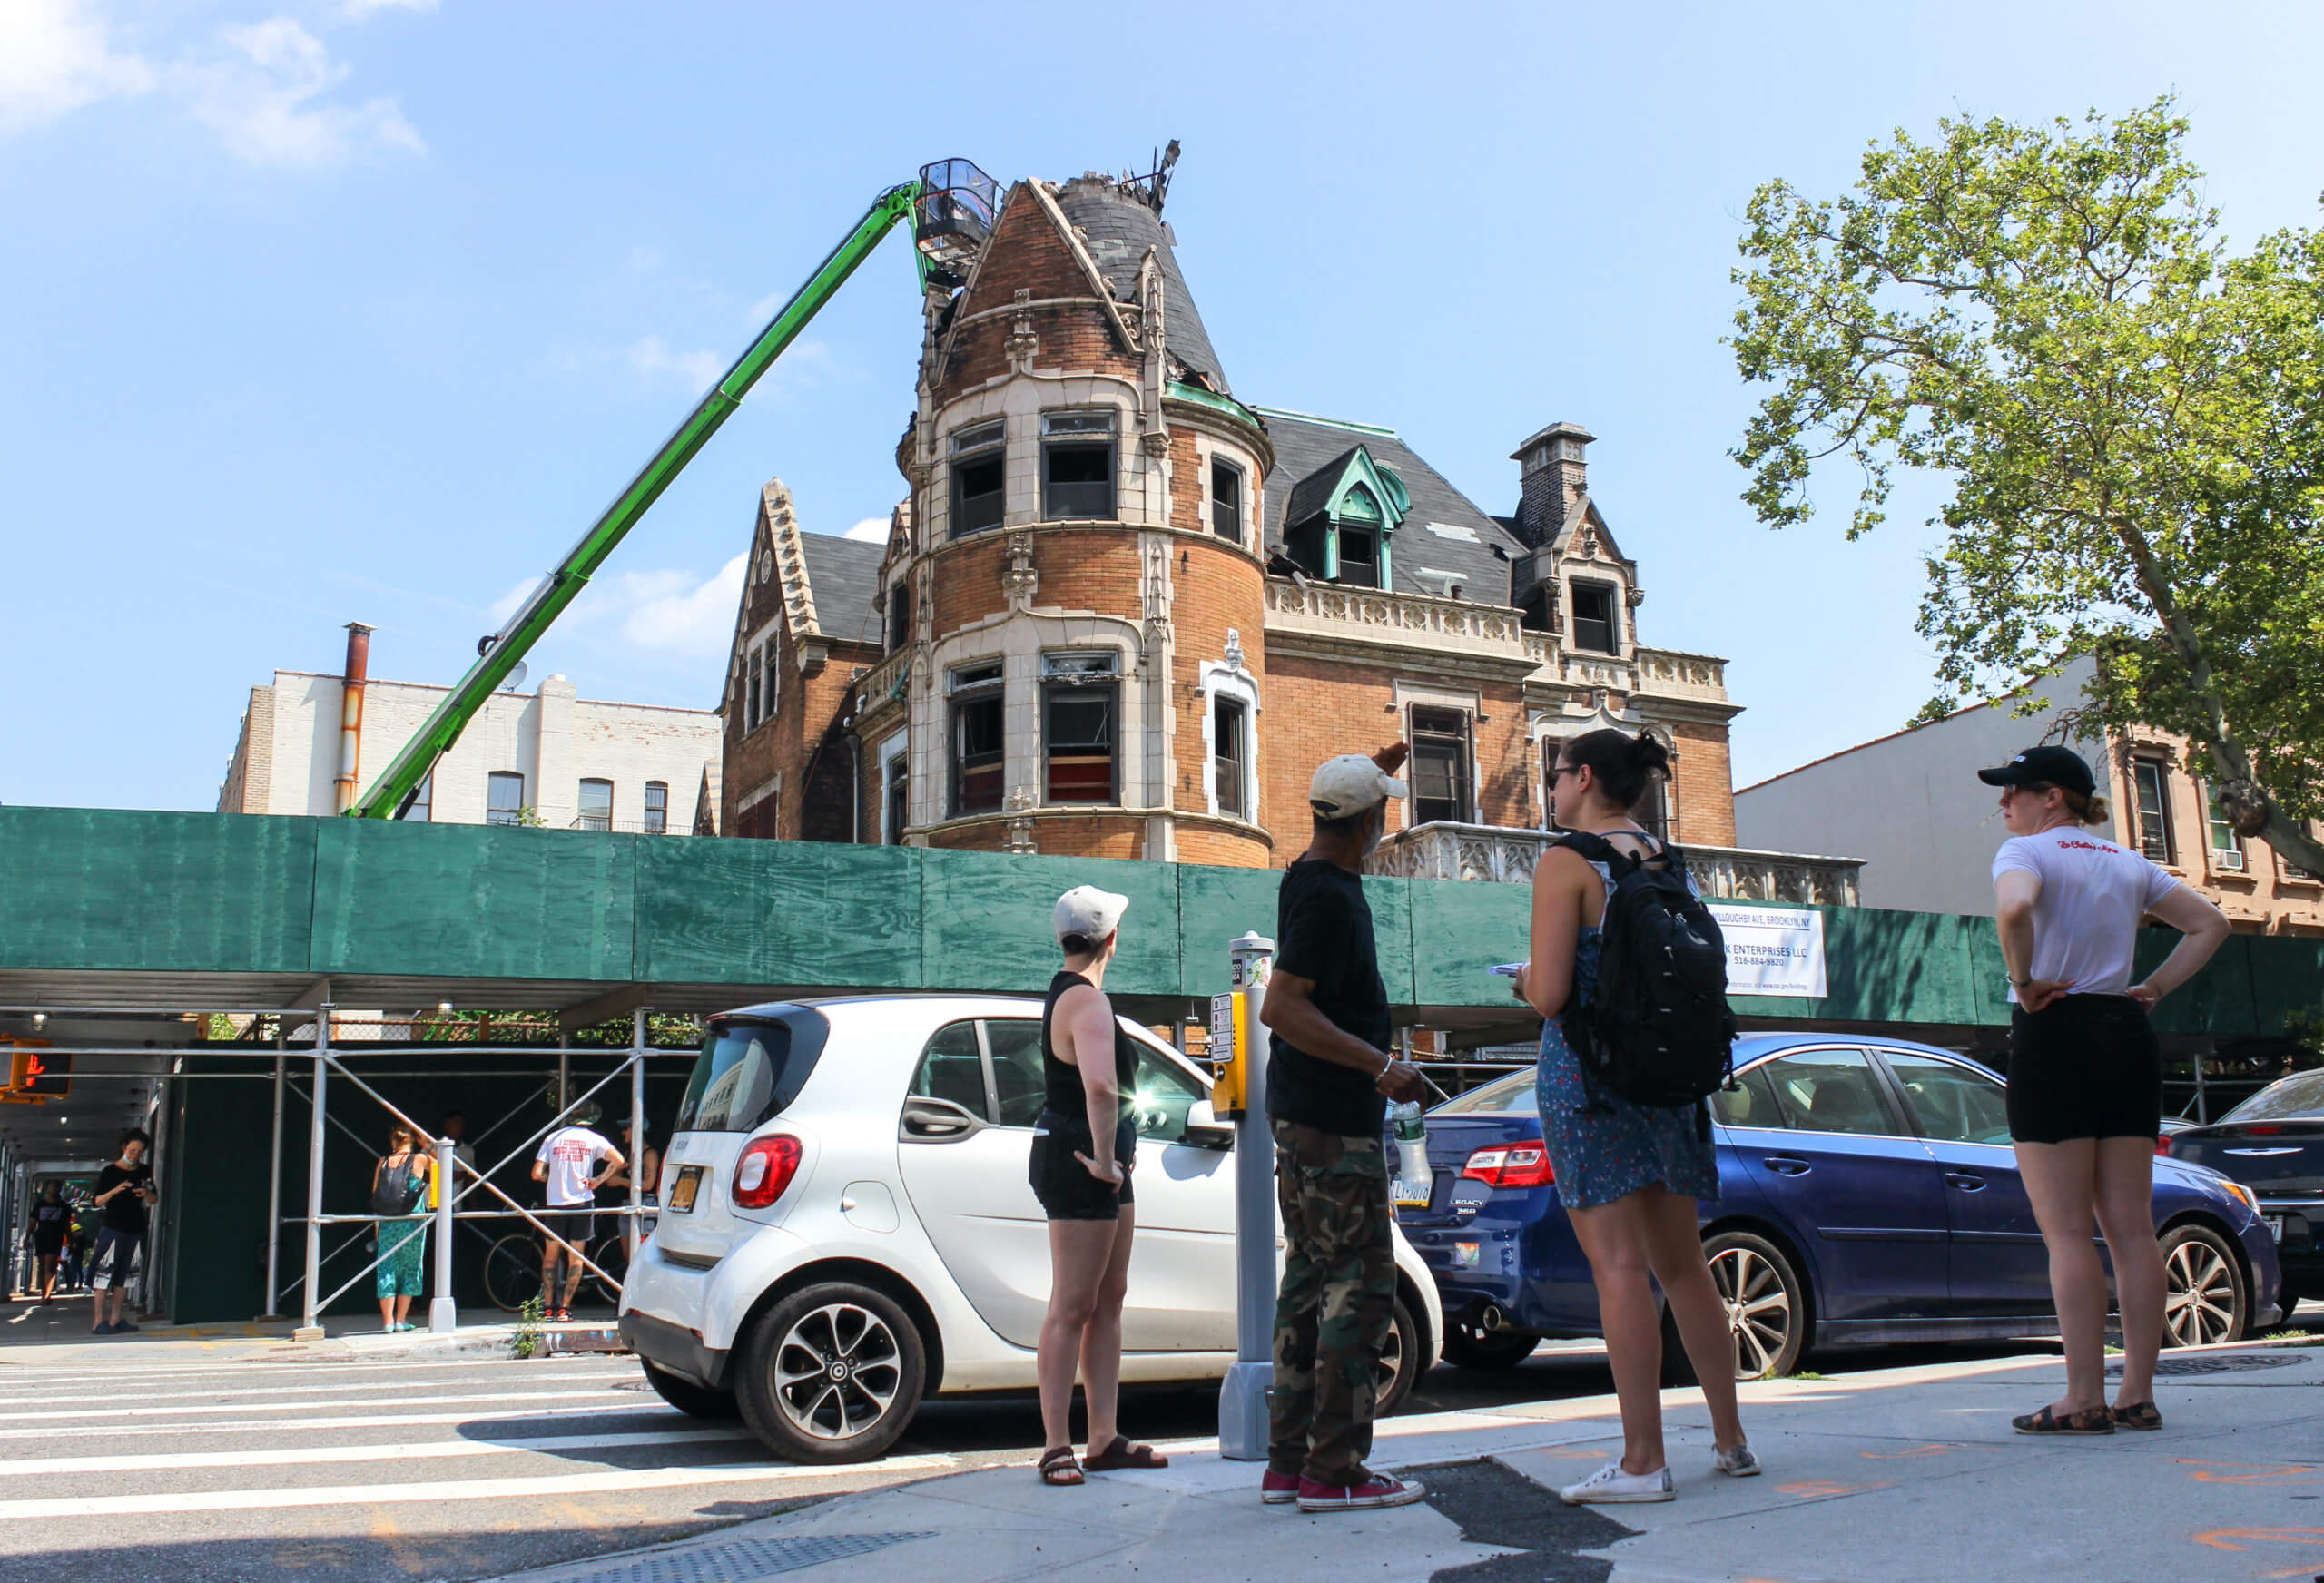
2085	1069
573	1162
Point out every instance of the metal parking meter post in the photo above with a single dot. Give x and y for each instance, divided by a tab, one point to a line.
634	1221
443	1313
1243	1428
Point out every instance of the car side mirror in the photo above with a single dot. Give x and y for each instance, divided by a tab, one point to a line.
1203	1129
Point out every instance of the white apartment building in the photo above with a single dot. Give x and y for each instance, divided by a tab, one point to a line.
546	756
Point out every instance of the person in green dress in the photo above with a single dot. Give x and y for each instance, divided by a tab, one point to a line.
401	1184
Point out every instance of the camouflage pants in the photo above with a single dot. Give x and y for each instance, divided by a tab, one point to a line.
1336	1302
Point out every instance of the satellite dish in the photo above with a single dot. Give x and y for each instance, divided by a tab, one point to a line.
514	679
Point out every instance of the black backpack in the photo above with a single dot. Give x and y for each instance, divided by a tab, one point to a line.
1658	1030
399	1192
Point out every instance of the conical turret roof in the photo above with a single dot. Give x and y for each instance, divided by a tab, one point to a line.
1119	228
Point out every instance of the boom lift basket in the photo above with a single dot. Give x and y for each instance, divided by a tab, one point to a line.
952	217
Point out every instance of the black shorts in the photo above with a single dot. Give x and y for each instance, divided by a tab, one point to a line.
47	1247
2084	1066
1064	1186
575	1226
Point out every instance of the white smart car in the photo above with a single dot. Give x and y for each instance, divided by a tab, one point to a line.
846	1225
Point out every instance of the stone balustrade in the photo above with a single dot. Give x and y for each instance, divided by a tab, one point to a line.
880	683
1440	850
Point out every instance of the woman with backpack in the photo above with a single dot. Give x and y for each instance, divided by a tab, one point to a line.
1628	1175
400	1185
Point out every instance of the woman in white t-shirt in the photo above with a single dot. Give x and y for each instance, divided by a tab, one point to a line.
2085	1070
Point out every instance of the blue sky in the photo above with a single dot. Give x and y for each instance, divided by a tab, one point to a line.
361	309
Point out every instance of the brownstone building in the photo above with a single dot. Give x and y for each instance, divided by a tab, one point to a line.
1124	613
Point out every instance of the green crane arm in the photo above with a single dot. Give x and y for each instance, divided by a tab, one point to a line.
389	793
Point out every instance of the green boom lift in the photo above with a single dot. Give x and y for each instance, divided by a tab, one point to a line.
952	207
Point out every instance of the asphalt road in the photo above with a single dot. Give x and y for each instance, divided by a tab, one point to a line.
245	1471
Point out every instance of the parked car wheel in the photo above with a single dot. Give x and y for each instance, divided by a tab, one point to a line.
1767	1303
1472	1346
2204	1301
832	1373
1399	1363
700	1400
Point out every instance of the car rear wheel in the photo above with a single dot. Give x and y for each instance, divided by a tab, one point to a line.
1399	1361
2204	1301
699	1401
1766	1300
832	1373
1472	1346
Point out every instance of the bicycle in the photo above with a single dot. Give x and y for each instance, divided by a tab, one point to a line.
512	1269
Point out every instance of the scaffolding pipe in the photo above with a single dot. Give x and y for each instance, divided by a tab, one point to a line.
635	1171
443	1313
274	1189
308	1328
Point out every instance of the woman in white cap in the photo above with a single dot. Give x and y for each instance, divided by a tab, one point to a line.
2085	1070
1083	1151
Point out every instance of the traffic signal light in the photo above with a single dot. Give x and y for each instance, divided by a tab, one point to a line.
34	1070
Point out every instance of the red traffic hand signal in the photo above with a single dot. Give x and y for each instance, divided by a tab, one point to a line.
34	1068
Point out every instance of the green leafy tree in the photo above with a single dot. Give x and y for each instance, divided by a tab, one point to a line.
2130	419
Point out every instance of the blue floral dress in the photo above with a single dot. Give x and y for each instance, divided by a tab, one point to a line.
1604	1151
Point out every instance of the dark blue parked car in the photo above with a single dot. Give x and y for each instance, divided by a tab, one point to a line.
2273	1142
1867	1194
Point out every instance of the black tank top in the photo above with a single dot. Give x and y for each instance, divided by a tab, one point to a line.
1062	1090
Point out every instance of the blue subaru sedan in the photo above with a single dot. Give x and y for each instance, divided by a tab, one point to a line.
1867	1194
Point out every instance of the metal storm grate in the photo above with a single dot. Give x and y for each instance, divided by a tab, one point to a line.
747	1560
2219	1363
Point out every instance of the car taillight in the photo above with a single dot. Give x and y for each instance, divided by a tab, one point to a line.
2163	1144
1511	1166
764	1170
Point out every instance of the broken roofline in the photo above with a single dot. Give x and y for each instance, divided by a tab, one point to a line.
1349	424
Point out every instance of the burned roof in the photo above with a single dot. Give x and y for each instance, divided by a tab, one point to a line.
1119	228
1445	533
844	574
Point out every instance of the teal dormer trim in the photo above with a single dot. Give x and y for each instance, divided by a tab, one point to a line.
1355	490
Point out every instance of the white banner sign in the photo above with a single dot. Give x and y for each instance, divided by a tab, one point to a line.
1772	950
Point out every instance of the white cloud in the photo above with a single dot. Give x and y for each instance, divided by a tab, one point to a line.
56	57
870	530
653	356
356	10
668	612
502	608
262	98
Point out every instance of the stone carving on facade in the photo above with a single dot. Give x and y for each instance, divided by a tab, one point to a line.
1022	342
1233	653
1019	805
1019	580
1506	856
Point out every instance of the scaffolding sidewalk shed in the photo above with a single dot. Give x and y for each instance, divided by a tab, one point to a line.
229	1218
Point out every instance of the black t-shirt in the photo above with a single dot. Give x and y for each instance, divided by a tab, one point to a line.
51	1221
1324	933
126	1210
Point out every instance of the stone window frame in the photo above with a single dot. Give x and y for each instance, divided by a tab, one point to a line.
893	756
1083	439
1054	675
1612	589
2134	812
993	688
994	449
1470	704
762	687
1548	730
1139	499
1217	679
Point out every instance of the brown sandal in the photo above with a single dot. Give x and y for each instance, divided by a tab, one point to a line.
2089	1420
1122	1454
1059	1470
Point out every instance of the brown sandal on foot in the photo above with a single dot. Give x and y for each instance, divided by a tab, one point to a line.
2089	1420
2138	1415
1059	1470
1122	1454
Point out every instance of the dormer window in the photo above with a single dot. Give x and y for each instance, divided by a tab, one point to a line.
1338	520
978	479
1359	556
1593	618
1078	466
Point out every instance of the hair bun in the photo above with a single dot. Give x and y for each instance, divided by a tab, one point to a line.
1649	753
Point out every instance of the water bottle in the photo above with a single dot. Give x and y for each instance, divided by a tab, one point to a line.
1414	1180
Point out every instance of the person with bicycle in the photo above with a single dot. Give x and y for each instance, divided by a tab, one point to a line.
573	1161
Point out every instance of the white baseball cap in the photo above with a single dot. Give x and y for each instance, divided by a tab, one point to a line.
1089	912
1347	785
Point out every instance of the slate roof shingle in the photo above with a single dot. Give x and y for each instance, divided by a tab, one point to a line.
844	574
1306	446
1120	229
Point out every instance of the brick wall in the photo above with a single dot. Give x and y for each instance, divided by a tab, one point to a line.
1027	253
1703	785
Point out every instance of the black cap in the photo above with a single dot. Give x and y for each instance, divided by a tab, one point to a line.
2045	766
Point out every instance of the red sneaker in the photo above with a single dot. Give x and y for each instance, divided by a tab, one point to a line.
1378	1490
1279	1488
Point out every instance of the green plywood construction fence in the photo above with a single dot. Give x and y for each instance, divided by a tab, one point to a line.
98	890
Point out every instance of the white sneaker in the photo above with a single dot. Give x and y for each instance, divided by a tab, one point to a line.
1737	1462
1609	1486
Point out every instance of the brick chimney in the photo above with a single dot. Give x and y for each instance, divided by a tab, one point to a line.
1553	474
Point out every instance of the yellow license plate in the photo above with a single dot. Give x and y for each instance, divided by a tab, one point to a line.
682	1192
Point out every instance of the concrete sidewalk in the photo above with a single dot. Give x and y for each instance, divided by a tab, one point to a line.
1908	1475
57	1334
